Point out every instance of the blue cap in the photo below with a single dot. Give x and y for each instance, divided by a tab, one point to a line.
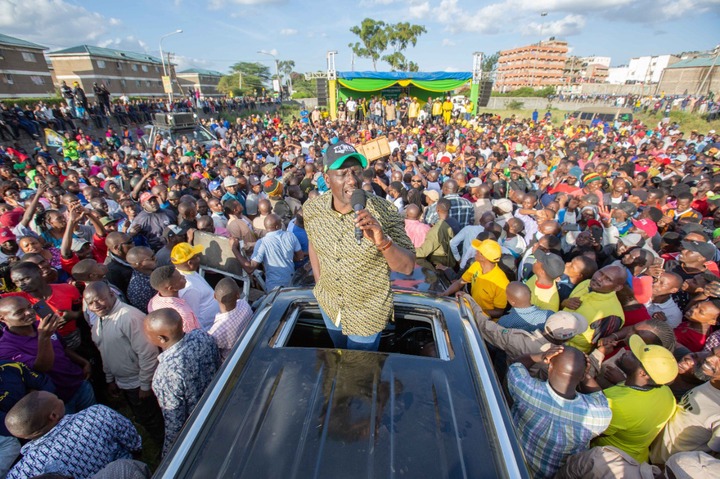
575	172
286	165
214	185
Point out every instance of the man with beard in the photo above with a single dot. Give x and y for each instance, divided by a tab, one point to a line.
634	426
151	221
695	426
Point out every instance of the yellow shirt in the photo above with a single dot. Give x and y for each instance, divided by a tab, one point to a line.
488	290
595	306
637	418
544	298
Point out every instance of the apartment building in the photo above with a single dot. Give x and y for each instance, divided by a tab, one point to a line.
537	65
124	73
199	79
584	70
24	72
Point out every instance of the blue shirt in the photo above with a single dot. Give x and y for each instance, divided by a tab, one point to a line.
527	319
79	445
184	371
550	427
275	251
16	380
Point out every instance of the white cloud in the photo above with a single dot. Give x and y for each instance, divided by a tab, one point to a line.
129	43
288	31
571	24
448	43
418	9
183	63
55	23
216	4
451	69
524	15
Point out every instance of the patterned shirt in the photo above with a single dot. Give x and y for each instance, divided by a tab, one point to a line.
460	209
16	380
354	279
79	445
229	326
527	319
139	291
190	322
184	371
552	428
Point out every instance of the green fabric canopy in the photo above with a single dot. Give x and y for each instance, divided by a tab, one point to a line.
370	84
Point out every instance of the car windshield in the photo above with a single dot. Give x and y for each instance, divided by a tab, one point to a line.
199	134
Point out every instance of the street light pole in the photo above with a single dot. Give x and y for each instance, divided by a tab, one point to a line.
162	60
537	55
277	72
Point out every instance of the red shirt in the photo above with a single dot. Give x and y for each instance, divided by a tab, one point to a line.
64	297
688	337
99	250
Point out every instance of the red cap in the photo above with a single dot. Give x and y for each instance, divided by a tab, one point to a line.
647	225
146	197
6	234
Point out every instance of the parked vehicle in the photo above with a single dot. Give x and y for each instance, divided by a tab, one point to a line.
287	404
586	115
173	126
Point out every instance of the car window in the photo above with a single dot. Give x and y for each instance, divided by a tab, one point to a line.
586	115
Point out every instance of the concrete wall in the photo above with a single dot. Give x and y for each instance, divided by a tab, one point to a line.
500	103
678	81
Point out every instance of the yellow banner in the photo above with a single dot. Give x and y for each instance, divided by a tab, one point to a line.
53	138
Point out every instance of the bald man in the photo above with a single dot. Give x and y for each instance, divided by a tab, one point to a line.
523	314
139	291
119	271
128	359
460	209
415	229
597	301
554	420
79	444
187	364
276	251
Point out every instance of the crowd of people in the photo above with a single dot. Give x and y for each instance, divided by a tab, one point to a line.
587	252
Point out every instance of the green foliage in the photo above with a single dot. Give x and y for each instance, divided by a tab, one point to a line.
303	88
254	78
489	63
373	40
23	102
527	91
515	105
376	36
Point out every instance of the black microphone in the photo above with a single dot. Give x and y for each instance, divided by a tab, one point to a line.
357	199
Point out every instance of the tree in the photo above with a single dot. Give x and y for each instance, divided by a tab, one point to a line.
377	36
489	63
254	78
286	67
373	40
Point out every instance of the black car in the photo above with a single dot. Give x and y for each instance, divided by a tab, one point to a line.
287	404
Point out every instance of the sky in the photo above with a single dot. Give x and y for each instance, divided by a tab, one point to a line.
219	33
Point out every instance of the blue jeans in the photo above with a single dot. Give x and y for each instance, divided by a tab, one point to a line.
84	398
350	341
9	451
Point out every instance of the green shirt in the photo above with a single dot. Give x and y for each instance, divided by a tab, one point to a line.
436	247
354	280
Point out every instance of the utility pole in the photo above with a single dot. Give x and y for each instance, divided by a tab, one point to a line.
165	70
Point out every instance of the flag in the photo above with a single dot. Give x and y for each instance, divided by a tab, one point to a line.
53	138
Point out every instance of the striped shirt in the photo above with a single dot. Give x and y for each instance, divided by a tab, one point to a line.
189	319
228	327
552	428
527	319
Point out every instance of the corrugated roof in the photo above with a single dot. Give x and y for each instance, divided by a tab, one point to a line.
18	42
106	53
202	71
695	62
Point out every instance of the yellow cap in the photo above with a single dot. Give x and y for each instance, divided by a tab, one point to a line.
658	362
183	252
490	249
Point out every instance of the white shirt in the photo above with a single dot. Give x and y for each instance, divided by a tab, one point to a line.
201	298
670	309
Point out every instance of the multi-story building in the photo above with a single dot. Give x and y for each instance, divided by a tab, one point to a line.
537	65
696	76
124	73
595	60
579	70
199	79
649	69
24	72
618	75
